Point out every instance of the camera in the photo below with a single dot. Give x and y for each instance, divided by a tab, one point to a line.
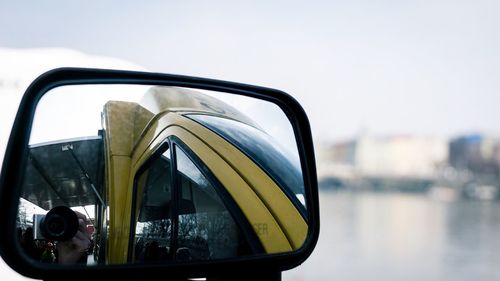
59	224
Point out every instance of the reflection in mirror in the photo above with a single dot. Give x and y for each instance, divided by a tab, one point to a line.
149	174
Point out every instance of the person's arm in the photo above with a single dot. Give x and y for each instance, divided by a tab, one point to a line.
72	250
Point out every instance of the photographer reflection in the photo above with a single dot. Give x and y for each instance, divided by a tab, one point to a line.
62	236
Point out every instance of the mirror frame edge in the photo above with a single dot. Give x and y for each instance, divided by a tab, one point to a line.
16	155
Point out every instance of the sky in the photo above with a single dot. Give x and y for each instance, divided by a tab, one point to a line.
379	67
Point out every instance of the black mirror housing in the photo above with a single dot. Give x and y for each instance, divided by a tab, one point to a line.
17	155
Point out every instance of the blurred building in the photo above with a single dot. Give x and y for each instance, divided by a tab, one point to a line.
402	156
335	160
475	153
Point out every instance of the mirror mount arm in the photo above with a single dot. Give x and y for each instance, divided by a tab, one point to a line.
262	276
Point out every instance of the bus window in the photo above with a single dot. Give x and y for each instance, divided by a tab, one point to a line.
153	228
206	228
185	221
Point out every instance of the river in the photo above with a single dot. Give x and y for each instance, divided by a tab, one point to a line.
398	236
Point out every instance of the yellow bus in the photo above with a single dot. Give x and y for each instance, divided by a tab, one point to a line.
179	176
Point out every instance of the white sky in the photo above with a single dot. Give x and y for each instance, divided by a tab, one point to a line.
386	67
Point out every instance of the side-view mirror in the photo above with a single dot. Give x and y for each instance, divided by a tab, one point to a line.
137	175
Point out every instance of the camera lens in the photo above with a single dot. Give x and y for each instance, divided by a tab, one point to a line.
60	224
55	225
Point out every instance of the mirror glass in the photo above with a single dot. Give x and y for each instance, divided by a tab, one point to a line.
153	174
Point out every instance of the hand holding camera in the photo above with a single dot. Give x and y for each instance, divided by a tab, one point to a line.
69	228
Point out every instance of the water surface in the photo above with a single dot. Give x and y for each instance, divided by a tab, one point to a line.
395	236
